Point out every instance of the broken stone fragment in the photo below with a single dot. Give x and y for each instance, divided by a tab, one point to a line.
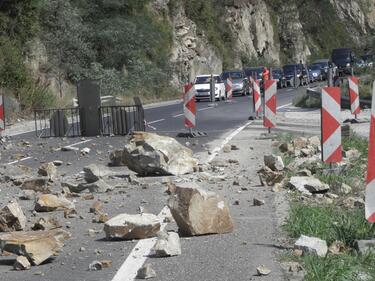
146	272
275	163
314	141
150	154
50	203
198	212
258	202
100	186
95	266
96	207
37	246
93	172
308	185
46	224
227	148
263	270
48	170
21	263
337	247
102	218
299	143
125	226
284	147
365	246
167	245
116	158
12	218
27	195
312	245
269	177
74	187
353	202
36	184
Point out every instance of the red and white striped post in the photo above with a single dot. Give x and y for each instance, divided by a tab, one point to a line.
354	95
257	100
370	188
229	89
270	90
2	115
190	110
331	126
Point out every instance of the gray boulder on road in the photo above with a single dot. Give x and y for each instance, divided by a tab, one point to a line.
150	154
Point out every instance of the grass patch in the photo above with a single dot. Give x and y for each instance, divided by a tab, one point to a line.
329	223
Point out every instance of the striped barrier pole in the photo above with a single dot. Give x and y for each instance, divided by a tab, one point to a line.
257	100
331	125
2	114
354	95
190	110
229	89
370	181
270	90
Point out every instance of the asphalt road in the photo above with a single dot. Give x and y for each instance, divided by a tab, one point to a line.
71	265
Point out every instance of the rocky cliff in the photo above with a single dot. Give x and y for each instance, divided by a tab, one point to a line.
267	31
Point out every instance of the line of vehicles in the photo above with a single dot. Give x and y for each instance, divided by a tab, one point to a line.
290	75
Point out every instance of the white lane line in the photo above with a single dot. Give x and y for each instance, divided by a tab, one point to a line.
285	105
156	121
204	108
23	159
226	140
178	115
129	269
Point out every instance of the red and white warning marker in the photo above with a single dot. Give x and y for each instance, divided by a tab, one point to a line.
190	109
331	126
370	189
270	89
2	116
354	95
256	97
229	89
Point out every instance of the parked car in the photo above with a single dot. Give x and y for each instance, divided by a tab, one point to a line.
202	85
369	59
325	64
344	58
289	71
278	74
315	72
249	71
240	84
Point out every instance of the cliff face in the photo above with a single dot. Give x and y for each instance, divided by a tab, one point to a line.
265	32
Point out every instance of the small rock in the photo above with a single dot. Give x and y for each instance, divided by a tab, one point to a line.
352	154
93	172
69	148
263	270
258	202
96	207
95	266
48	170
116	158
12	218
22	263
27	195
234	147
304	173
50	203
337	247
365	246
100	186
58	163
275	163
227	148
146	272
85	151
168	245
312	245
106	263
308	185
300	143
35	184
354	202
102	218
284	147
46	224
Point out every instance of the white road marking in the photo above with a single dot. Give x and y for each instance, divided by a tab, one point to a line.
17	161
178	115
285	105
204	108
156	121
129	269
226	140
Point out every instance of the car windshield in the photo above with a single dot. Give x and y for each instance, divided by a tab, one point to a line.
206	79
251	71
290	68
315	66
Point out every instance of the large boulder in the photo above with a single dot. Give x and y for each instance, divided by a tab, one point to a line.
37	246
12	218
198	212
50	203
150	154
125	226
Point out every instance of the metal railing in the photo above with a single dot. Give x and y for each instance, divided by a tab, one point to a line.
57	122
121	119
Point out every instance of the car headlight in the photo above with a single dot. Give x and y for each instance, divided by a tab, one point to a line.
348	65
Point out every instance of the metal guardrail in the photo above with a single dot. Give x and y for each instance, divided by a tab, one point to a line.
57	122
121	119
